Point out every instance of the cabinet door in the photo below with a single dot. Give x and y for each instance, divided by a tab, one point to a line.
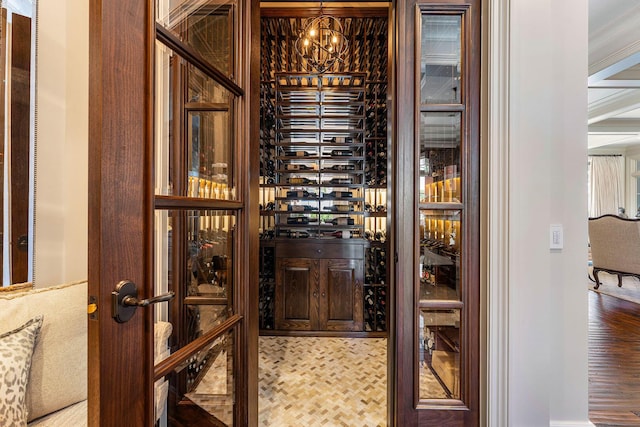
340	302
297	288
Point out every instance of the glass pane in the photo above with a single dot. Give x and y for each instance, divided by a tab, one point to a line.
209	145
209	380
207	282
440	59
208	108
204	25
439	160
204	89
439	262
209	277
439	347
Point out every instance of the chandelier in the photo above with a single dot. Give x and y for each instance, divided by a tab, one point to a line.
321	43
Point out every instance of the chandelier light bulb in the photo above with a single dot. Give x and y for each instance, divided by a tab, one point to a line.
321	43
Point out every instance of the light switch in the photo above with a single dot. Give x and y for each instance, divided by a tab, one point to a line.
556	238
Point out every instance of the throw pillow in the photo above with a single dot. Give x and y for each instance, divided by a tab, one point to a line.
16	349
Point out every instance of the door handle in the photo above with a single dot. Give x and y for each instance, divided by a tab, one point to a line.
124	300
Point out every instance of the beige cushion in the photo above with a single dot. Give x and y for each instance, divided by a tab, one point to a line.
59	364
16	350
615	243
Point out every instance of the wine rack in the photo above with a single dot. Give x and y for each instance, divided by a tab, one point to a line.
345	108
267	286
319	156
375	289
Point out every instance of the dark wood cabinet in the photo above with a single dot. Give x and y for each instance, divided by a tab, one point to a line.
340	297
297	287
319	294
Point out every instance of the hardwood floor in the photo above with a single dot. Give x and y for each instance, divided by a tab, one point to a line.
614	361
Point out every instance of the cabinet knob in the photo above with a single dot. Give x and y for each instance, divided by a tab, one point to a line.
319	251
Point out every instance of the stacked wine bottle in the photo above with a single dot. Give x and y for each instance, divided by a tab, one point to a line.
266	287
375	294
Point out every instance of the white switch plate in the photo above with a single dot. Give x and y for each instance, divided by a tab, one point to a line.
556	238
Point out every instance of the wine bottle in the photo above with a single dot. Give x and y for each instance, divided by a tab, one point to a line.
298	220
341	181
342	153
339	139
298	194
348	167
338	195
343	220
298	234
291	167
297	153
299	208
339	208
298	180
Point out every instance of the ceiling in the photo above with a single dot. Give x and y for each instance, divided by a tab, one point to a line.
614	74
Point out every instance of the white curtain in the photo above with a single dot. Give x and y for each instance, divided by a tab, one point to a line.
606	185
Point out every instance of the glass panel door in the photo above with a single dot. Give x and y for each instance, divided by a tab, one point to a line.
445	161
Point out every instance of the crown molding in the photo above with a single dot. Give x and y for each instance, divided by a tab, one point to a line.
613	105
614	42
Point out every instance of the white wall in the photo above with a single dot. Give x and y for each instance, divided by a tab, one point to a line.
547	149
62	141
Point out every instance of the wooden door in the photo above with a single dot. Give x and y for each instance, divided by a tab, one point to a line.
438	213
297	291
340	297
144	218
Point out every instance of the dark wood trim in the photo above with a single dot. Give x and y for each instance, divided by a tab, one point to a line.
404	188
179	356
187	414
252	242
148	287
3	69
204	300
20	110
190	203
118	223
441	304
171	41
392	171
340	12
206	106
442	206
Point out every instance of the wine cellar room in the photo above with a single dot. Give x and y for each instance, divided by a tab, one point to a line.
324	217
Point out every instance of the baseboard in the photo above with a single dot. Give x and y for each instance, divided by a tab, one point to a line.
571	424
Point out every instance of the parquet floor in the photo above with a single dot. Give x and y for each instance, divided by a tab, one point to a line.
614	361
328	382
